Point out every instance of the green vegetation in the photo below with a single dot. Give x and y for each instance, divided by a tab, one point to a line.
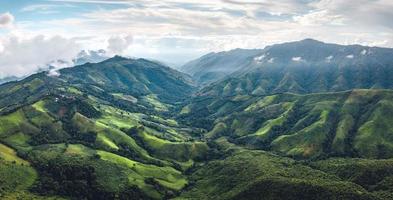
16	176
128	129
375	176
180	151
153	101
353	123
254	174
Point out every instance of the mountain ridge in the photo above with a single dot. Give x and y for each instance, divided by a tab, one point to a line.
289	53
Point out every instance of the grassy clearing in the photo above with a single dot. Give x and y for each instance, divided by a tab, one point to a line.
157	105
16	174
118	118
138	172
10	123
185	110
261	103
39	106
18	141
180	151
124	97
9	155
168	122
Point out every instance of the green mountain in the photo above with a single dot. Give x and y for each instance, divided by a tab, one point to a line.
351	124
95	132
306	66
136	129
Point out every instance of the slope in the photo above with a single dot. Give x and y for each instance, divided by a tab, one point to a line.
352	123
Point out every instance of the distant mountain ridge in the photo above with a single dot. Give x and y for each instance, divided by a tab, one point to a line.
306	66
215	66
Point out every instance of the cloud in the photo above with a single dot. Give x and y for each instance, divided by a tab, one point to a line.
297	59
360	12
317	18
176	31
45	8
23	56
350	56
6	20
118	44
95	1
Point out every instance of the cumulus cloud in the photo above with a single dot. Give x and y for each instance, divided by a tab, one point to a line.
118	44
184	30
6	20
23	56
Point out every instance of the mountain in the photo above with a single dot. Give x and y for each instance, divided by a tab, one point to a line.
137	129
8	79
215	66
303	99
136	77
96	131
307	66
120	78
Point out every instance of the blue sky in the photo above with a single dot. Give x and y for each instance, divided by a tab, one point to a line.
175	31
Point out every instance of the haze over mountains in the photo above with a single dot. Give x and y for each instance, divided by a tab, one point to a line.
298	120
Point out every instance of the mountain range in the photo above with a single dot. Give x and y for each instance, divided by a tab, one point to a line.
298	120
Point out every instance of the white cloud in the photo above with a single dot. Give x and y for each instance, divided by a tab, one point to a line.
329	58
297	59
259	58
118	44
377	13
178	30
23	56
350	56
6	20
321	17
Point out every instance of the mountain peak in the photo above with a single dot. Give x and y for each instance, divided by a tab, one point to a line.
116	58
310	40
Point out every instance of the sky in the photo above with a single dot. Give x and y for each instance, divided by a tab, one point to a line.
36	32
